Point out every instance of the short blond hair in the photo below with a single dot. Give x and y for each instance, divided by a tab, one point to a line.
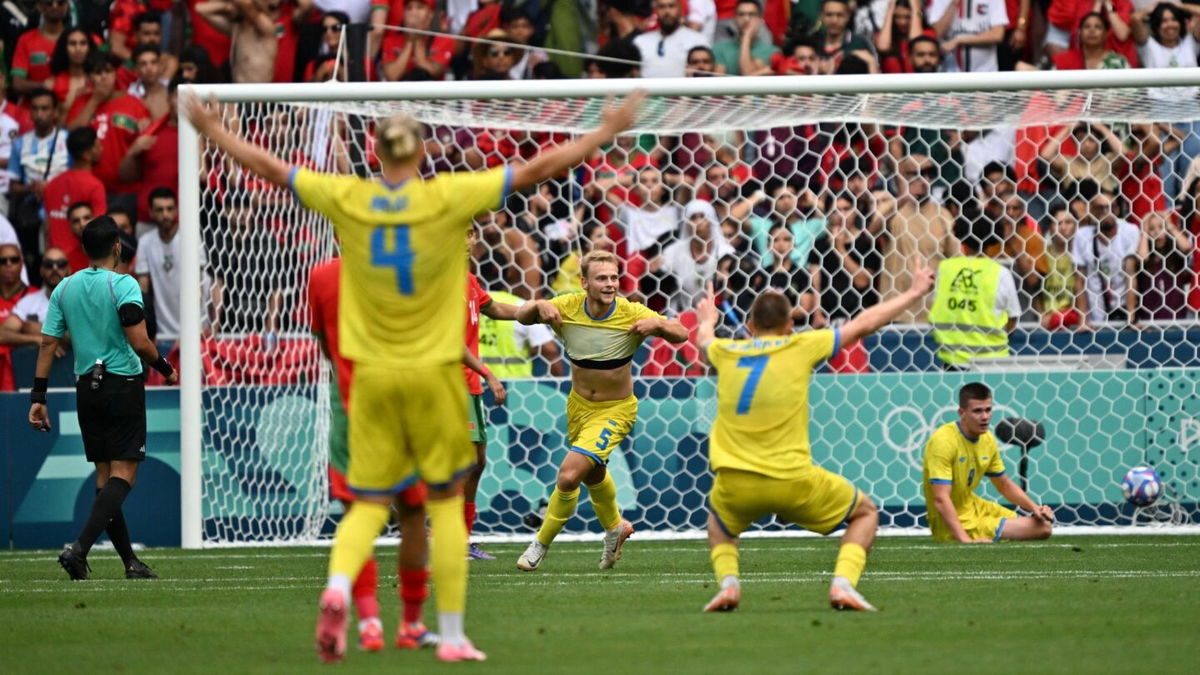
398	138
596	258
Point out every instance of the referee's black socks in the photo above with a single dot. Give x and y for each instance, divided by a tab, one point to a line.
118	534
107	505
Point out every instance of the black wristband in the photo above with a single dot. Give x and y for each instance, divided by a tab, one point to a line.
40	385
163	366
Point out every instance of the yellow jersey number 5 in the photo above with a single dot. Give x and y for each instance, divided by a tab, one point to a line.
399	256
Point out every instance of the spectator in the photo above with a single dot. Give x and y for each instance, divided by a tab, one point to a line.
1024	246
799	57
664	51
1169	37
1097	150
702	18
320	67
650	221
916	227
924	55
1148	147
517	22
691	262
1058	289
79	215
122	36
506	255
904	22
719	187
1092	50
701	62
496	60
151	86
23	327
37	157
1064	21
1104	252
977	149
70	81
13	121
1161	276
72	186
785	275
12	289
745	53
152	160
121	216
254	42
835	41
31	60
969	33
157	266
195	67
1015	44
117	117
843	264
250	279
403	52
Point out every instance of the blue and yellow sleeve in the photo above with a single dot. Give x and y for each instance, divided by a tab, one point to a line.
469	193
995	467
55	325
939	461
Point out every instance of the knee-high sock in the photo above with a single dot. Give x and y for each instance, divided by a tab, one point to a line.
108	503
414	590
355	540
118	534
449	553
363	591
558	512
604	502
851	560
724	561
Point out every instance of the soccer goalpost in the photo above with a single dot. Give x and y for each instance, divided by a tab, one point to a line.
878	164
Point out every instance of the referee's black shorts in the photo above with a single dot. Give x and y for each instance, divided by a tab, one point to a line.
112	418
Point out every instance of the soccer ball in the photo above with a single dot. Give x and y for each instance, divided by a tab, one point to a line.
1141	486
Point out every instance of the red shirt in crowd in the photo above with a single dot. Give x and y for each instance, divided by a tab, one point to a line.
216	43
1066	14
160	164
71	187
6	308
477	299
441	50
32	57
117	122
19	114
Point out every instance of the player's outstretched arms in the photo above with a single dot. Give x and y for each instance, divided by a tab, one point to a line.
500	311
707	317
945	508
874	318
539	311
617	118
204	117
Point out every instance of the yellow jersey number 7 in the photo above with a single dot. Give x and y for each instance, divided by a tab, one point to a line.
756	364
399	256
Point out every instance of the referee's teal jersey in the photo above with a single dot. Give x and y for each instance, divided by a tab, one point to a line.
86	303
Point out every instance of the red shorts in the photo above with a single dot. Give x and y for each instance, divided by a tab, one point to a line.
412	496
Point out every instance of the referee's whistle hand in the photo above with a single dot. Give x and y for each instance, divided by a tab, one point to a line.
173	378
39	417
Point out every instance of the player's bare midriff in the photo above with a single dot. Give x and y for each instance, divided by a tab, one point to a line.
602	385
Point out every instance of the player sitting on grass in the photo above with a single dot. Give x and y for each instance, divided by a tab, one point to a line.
957	457
759	446
600	333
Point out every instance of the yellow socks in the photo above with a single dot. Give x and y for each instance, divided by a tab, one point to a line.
448	556
724	561
604	502
851	560
558	512
355	539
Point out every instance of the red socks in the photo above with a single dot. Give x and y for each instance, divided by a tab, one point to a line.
363	591
414	590
469	516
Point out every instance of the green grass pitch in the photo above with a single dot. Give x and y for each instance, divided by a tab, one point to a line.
1070	605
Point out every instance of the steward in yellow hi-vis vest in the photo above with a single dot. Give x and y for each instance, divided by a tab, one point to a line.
507	348
975	301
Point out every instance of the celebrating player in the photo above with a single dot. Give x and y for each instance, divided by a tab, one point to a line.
401	324
759	446
600	333
957	457
323	284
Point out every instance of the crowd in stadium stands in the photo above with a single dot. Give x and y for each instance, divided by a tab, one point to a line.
1097	221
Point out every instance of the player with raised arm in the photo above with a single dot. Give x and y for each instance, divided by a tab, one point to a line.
759	445
400	321
957	457
600	333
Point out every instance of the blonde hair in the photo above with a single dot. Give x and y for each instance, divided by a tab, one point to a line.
596	258
398	138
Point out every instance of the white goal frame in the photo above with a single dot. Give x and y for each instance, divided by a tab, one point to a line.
191	417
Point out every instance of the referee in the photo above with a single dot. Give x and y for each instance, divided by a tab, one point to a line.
104	313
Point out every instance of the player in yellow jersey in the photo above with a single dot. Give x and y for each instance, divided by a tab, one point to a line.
759	445
401	323
957	457
600	332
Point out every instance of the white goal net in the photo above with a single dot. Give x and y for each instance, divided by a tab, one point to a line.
825	196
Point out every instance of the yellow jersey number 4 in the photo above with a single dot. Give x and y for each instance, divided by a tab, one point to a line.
399	256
